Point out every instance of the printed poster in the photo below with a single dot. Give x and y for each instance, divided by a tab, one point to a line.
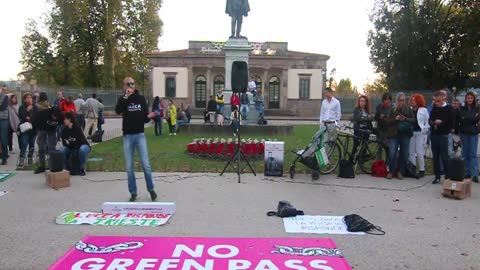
122	252
99	219
317	225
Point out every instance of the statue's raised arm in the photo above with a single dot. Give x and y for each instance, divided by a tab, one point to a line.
237	9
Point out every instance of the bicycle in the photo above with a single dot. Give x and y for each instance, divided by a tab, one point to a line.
370	149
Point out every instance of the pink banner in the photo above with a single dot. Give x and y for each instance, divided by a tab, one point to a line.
142	253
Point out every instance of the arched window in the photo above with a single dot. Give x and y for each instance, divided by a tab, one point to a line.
200	92
274	93
218	83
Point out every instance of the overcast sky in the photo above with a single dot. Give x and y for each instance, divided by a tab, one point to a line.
334	27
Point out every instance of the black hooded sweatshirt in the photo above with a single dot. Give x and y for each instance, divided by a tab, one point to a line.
73	137
134	113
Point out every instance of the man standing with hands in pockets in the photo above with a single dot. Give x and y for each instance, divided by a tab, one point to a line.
133	108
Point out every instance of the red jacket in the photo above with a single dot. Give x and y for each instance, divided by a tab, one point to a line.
65	107
235	100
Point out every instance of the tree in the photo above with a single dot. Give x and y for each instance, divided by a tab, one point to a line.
37	55
378	87
345	87
98	42
425	44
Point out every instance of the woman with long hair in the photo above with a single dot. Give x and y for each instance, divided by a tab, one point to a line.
362	121
400	130
468	125
27	138
157	108
420	131
74	141
14	120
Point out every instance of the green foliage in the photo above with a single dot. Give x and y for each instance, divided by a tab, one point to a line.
425	44
345	88
378	87
94	42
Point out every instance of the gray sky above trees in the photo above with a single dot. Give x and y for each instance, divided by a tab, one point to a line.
334	27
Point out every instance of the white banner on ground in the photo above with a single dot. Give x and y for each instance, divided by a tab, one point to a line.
316	225
99	219
2	193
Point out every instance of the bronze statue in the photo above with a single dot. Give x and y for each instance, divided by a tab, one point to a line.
237	9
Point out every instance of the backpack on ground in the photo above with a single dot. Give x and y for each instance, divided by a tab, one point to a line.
346	169
73	165
411	170
98	136
379	169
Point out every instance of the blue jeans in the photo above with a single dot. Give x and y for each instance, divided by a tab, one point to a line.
220	108
27	140
158	126
4	126
469	153
398	164
46	141
235	125
439	144
82	153
139	142
244	109
179	123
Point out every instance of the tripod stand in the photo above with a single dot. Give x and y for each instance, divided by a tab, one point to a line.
238	155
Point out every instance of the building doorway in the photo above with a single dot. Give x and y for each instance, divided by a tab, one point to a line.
274	93
200	92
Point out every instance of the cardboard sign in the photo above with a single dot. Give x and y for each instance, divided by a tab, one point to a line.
99	219
139	208
114	252
317	225
274	153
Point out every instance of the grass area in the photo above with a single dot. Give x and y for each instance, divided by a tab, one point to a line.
168	153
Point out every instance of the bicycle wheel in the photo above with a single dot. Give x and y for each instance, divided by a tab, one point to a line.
334	155
369	153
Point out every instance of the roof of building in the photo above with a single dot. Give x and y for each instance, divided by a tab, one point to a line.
186	53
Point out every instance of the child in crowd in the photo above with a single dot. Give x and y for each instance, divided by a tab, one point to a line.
236	119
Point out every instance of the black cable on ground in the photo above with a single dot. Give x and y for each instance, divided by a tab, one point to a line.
180	178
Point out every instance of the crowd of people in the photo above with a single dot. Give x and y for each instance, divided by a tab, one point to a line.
175	117
240	104
36	121
408	127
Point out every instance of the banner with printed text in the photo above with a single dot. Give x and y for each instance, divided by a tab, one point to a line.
121	252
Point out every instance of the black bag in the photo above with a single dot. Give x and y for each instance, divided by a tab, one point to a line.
456	169
356	223
411	170
73	164
56	161
285	209
346	169
98	136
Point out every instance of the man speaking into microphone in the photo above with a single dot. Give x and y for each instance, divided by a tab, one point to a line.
133	108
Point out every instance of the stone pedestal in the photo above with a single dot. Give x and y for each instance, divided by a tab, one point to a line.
236	49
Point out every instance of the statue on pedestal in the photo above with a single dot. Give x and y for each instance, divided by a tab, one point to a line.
237	9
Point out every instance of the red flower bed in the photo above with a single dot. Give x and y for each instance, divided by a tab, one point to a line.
224	149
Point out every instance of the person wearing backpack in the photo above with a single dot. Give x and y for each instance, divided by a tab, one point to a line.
468	125
400	130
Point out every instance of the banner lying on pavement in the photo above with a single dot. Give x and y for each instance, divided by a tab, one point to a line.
121	252
317	225
99	219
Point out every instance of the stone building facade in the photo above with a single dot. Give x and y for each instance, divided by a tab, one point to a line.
292	82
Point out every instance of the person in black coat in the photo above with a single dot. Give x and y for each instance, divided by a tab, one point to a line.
74	141
468	119
27	138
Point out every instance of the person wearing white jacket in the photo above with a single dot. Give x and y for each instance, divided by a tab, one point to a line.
420	131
